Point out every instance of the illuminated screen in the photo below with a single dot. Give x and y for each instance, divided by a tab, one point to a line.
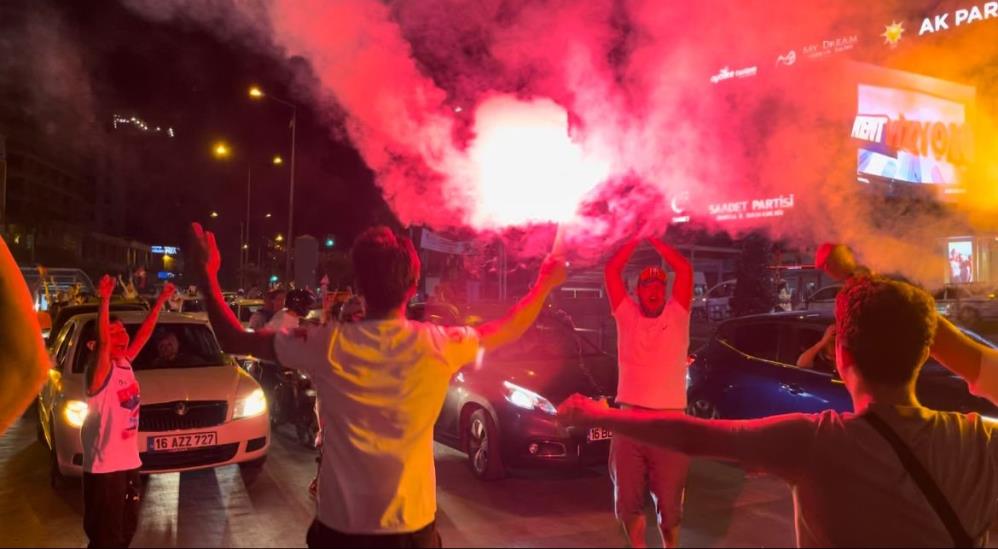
912	128
961	261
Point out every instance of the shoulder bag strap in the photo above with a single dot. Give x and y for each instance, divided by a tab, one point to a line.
924	481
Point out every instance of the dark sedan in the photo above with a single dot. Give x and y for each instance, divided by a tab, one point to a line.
501	412
747	370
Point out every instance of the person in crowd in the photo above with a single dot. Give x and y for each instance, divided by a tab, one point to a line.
128	290
382	383
297	305
272	302
110	452
140	280
893	473
24	363
821	354
167	348
652	343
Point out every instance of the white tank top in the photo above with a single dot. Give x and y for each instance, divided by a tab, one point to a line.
111	428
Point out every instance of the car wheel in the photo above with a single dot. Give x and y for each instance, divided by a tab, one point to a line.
969	317
276	409
251	470
482	446
702	408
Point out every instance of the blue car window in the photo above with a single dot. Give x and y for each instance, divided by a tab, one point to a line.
760	339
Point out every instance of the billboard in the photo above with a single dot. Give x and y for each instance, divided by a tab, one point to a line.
911	128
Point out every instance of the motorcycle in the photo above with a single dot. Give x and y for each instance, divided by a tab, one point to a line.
291	397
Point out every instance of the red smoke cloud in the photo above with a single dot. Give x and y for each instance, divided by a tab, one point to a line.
657	101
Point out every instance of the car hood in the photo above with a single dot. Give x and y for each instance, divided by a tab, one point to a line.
556	380
171	384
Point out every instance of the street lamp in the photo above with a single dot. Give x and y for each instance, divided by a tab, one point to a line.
223	151
213	215
278	160
267	216
255	92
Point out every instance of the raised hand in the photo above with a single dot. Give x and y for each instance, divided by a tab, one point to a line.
105	287
579	411
168	291
204	251
553	272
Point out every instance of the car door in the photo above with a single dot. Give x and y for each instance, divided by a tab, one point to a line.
807	390
747	363
59	356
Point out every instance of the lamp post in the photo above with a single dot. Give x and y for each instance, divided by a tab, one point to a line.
255	92
223	151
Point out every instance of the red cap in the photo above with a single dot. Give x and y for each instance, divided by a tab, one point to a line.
652	274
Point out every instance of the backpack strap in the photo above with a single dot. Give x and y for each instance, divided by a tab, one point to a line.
923	479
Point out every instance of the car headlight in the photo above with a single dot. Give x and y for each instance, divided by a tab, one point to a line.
75	412
251	405
527	399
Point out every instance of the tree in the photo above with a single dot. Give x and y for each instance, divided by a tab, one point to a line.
754	290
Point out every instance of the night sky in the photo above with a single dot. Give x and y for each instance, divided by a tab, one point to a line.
182	76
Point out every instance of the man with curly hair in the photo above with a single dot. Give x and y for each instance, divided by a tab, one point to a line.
893	473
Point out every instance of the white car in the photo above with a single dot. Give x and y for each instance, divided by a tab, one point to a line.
199	409
823	299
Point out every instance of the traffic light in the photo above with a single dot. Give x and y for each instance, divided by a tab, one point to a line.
330	241
273	279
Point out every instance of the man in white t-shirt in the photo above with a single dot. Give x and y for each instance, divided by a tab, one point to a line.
382	383
851	485
653	337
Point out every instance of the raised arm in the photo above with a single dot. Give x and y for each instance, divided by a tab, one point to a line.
23	360
145	331
808	357
966	358
616	290
510	327
206	261
102	367
682	286
778	444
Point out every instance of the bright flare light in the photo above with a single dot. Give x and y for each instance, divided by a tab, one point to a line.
255	92
526	166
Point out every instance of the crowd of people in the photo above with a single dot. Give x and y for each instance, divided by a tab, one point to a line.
890	473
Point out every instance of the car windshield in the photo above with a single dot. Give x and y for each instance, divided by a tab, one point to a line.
172	345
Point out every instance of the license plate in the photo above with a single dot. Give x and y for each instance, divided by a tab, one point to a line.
173	443
598	433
